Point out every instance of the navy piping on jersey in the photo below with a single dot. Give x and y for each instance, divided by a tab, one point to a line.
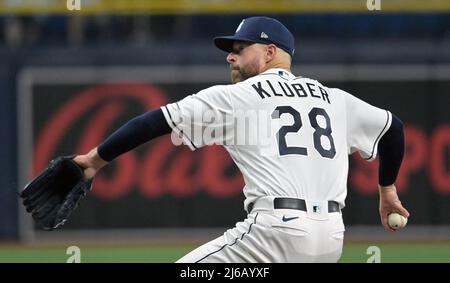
178	106
379	136
275	75
181	131
221	248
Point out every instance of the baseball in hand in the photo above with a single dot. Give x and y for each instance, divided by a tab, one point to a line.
397	221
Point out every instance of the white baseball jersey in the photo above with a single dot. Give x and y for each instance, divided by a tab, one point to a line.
297	137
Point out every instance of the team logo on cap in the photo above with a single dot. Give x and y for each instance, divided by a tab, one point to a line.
240	25
264	35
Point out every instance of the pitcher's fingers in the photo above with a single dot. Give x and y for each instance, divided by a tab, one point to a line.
384	221
403	211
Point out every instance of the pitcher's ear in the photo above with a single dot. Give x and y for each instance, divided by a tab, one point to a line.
271	52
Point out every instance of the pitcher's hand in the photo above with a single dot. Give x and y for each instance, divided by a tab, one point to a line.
389	203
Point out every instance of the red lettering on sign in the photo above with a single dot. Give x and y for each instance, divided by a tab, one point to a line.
439	160
120	183
180	178
415	156
364	176
61	122
212	173
163	169
151	173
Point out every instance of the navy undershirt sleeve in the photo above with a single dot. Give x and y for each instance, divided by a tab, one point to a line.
390	150
135	132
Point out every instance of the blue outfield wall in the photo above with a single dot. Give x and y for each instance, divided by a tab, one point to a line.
8	149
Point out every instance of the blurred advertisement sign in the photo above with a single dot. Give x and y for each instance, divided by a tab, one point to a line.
162	185
156	185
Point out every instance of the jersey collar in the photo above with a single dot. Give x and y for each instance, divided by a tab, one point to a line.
280	72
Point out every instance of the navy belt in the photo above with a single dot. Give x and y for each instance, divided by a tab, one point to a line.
295	203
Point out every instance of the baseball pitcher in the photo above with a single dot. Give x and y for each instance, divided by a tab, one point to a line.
290	136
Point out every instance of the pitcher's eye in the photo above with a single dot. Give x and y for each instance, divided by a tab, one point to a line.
238	50
239	47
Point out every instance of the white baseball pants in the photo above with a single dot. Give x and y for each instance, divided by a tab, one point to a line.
276	235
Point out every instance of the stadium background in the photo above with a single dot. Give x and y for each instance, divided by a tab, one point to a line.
69	78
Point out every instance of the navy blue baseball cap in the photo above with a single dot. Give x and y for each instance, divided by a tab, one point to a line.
259	30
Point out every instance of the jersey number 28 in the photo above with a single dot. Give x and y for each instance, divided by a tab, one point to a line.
318	133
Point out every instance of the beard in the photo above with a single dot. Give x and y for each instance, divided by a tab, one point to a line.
239	74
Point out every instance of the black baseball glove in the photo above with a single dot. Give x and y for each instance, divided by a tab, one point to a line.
53	195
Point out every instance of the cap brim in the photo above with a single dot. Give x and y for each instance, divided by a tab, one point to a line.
225	43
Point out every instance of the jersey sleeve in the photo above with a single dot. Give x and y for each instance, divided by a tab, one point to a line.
366	124
203	118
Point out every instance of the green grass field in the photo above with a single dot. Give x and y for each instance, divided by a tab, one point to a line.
353	253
